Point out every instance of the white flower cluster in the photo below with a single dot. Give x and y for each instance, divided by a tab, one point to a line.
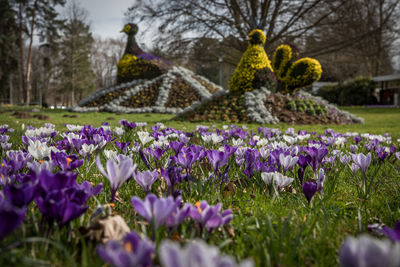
134	87
255	106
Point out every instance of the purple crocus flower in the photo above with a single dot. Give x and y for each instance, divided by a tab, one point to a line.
287	162
362	162
133	251
381	153
321	180
60	198
392	233
309	190
345	159
117	173
250	162
353	148
178	215
65	162
185	158
357	139
146	179
209	216
366	251
153	208
317	155
19	195
127	124
10	216
303	162
176	146
196	253
172	175
123	146
218	159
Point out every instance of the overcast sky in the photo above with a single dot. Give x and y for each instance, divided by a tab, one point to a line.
106	16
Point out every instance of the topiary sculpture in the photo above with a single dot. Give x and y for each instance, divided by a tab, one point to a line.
294	74
253	60
135	64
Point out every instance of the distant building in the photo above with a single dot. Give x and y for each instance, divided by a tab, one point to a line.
387	89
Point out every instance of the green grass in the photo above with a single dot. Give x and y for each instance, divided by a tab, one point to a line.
377	120
274	230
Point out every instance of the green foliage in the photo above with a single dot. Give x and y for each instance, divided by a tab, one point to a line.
306	106
354	92
8	37
273	229
77	76
330	93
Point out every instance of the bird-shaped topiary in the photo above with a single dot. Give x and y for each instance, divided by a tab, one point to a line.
294	74
135	64
253	60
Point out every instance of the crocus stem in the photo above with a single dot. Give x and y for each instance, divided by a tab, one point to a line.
153	230
363	185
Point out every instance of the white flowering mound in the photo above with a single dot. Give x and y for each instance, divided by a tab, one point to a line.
171	92
264	107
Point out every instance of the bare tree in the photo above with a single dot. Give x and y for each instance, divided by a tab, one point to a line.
358	39
191	19
105	55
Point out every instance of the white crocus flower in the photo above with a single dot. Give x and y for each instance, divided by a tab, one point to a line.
87	149
74	128
119	131
144	137
289	139
110	154
277	179
237	142
216	138
264	152
39	150
287	162
262	142
340	141
206	138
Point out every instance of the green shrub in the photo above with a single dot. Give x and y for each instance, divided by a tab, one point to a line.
330	93
291	105
356	92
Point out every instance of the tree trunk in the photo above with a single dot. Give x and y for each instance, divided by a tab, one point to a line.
29	60
21	56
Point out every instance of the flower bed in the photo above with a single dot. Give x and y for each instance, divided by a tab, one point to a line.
152	95
181	95
146	97
134	195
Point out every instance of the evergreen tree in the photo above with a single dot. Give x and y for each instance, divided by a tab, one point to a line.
76	75
8	37
34	17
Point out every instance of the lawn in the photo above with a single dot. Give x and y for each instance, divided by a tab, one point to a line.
377	120
273	224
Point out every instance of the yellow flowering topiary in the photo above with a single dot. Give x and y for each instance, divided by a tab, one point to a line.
131	67
125	64
281	61
252	60
294	74
303	72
